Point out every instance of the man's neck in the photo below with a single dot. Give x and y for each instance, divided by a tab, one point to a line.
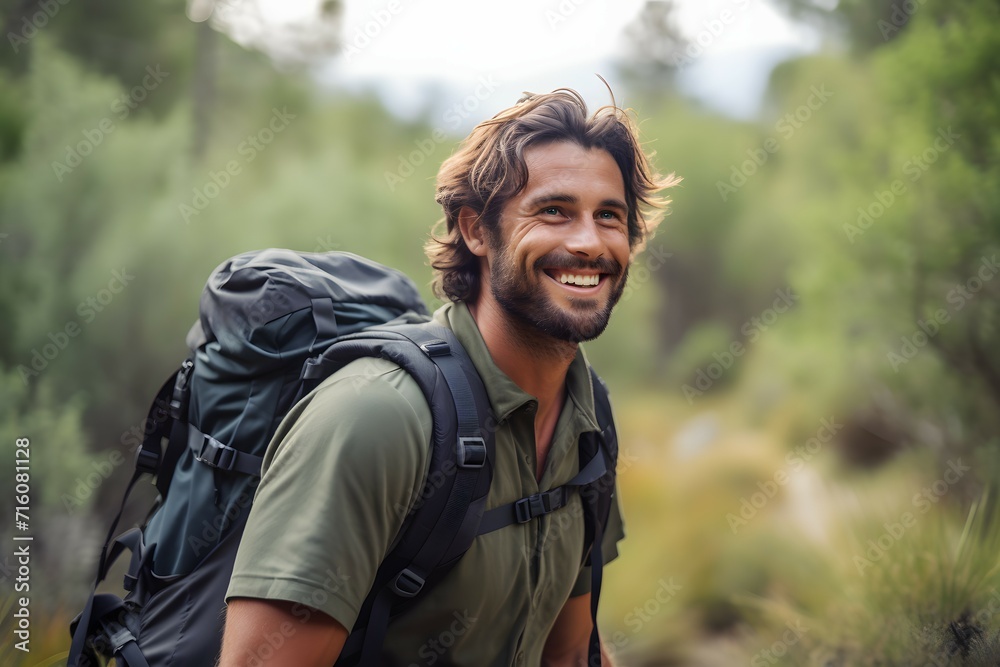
535	362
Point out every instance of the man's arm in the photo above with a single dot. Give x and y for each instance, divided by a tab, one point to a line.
569	639
270	634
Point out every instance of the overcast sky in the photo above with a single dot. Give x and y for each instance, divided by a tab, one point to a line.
497	50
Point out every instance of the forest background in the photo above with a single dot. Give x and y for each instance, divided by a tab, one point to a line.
804	367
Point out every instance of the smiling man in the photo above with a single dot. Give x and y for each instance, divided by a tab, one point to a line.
545	207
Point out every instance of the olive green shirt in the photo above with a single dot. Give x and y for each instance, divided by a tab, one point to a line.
349	461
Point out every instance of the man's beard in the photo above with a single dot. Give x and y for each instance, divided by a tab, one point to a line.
531	307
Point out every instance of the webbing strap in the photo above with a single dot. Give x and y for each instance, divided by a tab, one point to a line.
539	504
105	561
607	440
324	319
471	447
105	616
596	567
211	452
179	395
471	459
127	653
378	627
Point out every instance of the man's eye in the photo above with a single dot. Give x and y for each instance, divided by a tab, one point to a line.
551	210
608	215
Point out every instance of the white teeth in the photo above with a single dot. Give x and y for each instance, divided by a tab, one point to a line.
582	281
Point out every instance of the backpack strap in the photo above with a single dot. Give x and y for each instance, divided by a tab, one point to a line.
598	498
443	524
211	452
545	502
111	614
164	420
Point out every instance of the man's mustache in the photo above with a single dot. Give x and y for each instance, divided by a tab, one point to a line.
570	263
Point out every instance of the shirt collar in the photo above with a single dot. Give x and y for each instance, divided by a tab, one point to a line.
505	396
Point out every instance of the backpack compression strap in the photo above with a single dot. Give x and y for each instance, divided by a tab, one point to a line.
161	422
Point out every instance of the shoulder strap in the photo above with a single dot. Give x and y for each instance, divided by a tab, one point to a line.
598	499
443	524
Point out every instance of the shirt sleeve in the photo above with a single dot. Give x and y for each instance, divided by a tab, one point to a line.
339	476
614	532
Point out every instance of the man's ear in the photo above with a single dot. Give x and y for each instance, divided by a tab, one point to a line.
473	234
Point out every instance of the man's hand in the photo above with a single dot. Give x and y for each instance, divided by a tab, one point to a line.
269	632
569	639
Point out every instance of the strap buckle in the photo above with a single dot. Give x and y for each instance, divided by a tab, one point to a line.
119	636
536	505
147	460
471	452
179	397
408	583
436	348
220	456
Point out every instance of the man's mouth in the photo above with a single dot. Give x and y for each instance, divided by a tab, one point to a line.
584	280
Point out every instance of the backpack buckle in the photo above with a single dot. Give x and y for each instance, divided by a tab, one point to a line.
147	460
534	506
471	452
219	456
179	397
436	348
407	584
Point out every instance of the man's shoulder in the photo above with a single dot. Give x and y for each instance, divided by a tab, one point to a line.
368	378
370	410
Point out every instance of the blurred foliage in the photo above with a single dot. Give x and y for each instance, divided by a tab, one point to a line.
787	242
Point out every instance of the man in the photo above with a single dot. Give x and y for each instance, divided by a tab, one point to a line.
542	212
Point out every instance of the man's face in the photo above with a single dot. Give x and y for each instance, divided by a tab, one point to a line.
559	260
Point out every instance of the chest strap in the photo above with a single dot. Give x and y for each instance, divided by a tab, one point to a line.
545	502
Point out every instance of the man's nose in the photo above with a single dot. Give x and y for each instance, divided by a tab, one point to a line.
584	238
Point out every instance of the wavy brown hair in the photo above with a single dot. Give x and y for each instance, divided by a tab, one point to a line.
488	169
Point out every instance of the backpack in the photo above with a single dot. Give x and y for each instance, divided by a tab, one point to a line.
273	325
